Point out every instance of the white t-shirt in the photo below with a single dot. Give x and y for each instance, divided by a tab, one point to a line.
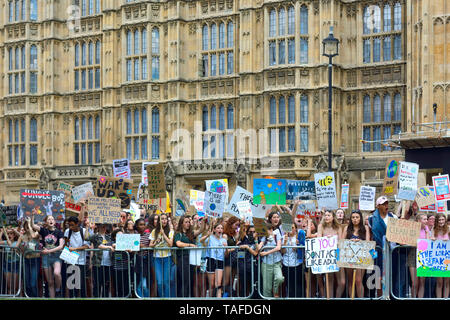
76	241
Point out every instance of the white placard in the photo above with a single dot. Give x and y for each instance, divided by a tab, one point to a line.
128	242
407	180
245	211
82	191
121	168
197	199
218	186
320	254
144	179
344	196
326	190
214	204
367	198
258	210
69	257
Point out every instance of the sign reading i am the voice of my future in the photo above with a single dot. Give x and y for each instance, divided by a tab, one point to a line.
104	210
320	254
356	254
115	188
121	168
344	196
46	203
367	198
407	180
433	258
390	183
441	187
326	190
214	204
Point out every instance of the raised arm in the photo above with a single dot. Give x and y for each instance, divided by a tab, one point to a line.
34	226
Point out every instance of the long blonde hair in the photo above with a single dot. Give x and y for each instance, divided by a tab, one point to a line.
334	223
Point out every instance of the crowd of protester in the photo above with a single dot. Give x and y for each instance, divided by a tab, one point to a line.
197	256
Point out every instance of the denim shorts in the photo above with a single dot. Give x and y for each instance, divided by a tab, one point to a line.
49	260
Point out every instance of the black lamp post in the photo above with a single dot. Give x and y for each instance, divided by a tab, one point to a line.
330	50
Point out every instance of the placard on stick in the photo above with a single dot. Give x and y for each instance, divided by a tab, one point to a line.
425	197
114	188
320	254
433	258
8	216
69	200
156	181
390	183
403	231
46	203
104	210
356	254
260	227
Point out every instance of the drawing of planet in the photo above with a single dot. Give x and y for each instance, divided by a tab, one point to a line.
212	206
217	186
392	169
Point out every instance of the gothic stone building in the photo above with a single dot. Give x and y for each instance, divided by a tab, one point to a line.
233	89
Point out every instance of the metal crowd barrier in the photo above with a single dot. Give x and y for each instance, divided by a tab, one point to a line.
10	271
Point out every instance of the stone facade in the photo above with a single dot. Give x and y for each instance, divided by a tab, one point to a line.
48	110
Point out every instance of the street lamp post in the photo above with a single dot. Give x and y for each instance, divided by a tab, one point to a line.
330	50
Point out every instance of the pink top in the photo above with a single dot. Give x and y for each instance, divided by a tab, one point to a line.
443	237
424	232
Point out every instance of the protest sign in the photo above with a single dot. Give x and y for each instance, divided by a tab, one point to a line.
8	216
82	191
69	257
151	204
197	199
441	207
367	198
306	209
214	204
115	188
286	222
320	254
245	210
326	190
407	180
356	254
300	190
144	179
240	194
218	186
344	196
180	209
156	181
390	183
121	168
433	258
135	212
269	191
46	203
403	231
104	210
128	242
260	227
69	200
425	197
441	187
430	207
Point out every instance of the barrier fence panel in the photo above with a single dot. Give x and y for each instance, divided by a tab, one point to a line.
193	273
10	270
284	275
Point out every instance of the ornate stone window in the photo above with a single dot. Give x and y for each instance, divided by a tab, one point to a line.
218	131
136	54
87	139
87	74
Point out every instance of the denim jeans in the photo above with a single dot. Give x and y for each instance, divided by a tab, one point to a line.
142	270
31	276
165	271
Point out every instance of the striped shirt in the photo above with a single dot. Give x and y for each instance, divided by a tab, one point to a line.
145	242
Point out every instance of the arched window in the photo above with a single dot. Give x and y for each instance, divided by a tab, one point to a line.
273	111
221	117
230	117
83	128
24	8
128	42
77	54
144	41
11	11
376	19
83	54
33	57
222	35
10	55
376	108
97	128
387	108
17	57
144	120
155	51
366	109
77	129
90	127
33	130
304	109
205	118
291	109
136	41
10	131
213	116
205	37
155	120
98	52
387	23
129	122
291	20
33	10
366	20
397	107
213	36
91	53
136	121
17	10
230	34
282	110
397	16
282	22
272	25
304	20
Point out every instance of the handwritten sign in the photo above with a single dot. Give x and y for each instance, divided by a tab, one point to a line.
403	231
441	187
433	258
245	210
46	203
320	254
286	222
8	216
269	191
218	186
121	168
69	200
260	227
344	196
144	179
430	207
115	188
69	257
367	198
128	242
240	194
390	183
82	191
104	210
306	208
214	204
326	190
356	254
407	180
425	197
300	190
156	181
197	199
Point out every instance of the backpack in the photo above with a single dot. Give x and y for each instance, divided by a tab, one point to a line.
70	234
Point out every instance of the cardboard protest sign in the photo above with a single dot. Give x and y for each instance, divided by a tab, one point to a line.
69	257
356	254
8	216
433	258
269	191
300	190
430	207
320	254
46	203
390	183
344	196
214	204
197	199
326	190
69	200
104	210
425	197
156	181
151	204
245	210
218	186
82	191
121	168
441	187
128	242
407	180
286	222
367	198
258	210
115	188
144	179
306	208
260	227
403	231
